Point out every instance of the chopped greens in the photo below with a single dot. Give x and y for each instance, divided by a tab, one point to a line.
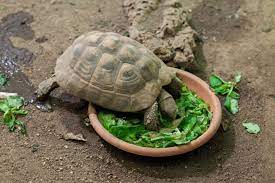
193	118
251	127
11	107
227	88
3	80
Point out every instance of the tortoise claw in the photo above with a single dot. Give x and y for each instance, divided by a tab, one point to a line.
44	106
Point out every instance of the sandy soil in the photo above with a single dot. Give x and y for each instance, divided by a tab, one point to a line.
238	35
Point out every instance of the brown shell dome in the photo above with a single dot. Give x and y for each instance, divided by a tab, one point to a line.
110	70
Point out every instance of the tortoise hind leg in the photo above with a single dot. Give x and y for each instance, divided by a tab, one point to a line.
43	92
151	119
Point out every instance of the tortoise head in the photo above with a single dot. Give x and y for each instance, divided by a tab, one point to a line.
166	74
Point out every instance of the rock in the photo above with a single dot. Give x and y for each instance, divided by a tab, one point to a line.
41	39
180	59
35	147
71	136
5	94
162	26
267	27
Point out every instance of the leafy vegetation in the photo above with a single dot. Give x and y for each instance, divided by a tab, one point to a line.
193	119
11	107
3	80
251	127
227	88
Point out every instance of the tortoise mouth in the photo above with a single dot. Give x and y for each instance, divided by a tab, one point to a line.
193	83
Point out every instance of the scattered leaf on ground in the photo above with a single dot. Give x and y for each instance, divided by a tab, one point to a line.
15	101
238	77
3	80
227	88
252	127
231	104
11	107
215	81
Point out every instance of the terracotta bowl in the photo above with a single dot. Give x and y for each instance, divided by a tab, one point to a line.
202	90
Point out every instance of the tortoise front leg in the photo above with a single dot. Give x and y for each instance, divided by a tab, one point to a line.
45	88
43	92
167	106
151	119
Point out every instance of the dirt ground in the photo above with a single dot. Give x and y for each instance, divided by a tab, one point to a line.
238	35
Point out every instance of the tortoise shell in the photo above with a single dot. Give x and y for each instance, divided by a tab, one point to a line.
112	71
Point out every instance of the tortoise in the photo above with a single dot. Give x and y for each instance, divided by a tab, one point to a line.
116	73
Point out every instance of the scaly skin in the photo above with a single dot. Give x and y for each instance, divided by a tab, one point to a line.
151	120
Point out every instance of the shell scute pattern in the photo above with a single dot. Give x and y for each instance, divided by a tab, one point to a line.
105	72
148	69
110	44
151	56
128	54
93	38
112	71
86	64
129	80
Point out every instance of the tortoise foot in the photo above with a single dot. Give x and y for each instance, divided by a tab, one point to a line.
44	106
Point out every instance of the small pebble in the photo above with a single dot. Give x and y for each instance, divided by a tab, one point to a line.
267	28
35	147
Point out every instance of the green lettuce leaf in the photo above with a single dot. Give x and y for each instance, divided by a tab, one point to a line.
227	88
4	106
3	80
11	107
238	77
193	117
231	104
15	101
215	81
